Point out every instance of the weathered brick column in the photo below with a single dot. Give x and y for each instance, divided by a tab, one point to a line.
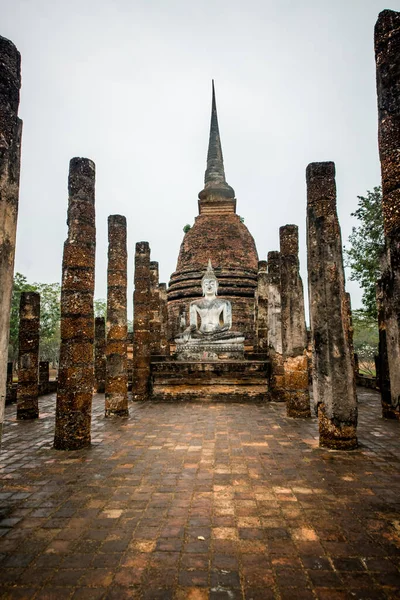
28	356
382	363
155	317
387	55
117	330
333	372
9	385
141	323
262	307
44	376
10	148
294	332
100	354
276	391
75	375
164	335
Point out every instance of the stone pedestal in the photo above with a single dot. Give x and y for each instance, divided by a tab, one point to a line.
210	380
195	350
28	356
76	372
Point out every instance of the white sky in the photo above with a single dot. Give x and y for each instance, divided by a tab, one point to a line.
127	83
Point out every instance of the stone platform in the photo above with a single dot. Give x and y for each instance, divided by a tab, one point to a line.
210	380
200	502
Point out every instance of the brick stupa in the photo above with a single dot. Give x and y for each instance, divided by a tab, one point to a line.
217	234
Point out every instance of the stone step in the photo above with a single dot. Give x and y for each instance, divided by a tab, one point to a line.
210	381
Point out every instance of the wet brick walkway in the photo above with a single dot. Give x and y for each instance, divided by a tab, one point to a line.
200	501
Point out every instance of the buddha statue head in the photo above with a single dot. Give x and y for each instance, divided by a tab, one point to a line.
209	282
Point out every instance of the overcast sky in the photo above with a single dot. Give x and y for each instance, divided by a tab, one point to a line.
127	83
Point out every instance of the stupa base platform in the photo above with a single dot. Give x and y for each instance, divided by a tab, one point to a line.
210	380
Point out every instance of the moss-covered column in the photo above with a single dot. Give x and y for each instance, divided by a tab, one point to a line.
10	149
141	323
333	371
387	55
28	356
294	332
261	316
76	373
100	354
116	347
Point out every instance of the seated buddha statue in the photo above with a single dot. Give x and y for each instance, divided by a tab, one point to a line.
210	317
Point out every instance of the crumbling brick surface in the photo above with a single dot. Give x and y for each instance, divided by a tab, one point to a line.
76	369
116	346
141	323
333	368
231	248
294	333
387	55
28	356
10	151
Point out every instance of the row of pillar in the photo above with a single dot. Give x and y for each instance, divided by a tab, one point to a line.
281	318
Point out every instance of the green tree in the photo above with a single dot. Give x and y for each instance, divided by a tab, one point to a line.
367	246
49	317
100	308
365	339
20	285
187	228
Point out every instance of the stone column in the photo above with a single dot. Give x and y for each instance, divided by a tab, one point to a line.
75	375
9	386
333	372
155	319
10	148
387	55
382	371
100	354
262	308
275	327
28	356
294	332
164	345
44	376
141	323
117	329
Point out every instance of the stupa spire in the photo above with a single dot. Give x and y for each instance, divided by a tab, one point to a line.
214	178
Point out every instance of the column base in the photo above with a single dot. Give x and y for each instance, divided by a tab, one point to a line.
298	404
336	436
116	412
27	413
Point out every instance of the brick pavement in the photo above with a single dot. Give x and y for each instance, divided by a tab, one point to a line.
198	501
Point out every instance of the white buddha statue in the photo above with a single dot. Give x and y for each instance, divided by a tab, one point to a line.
211	317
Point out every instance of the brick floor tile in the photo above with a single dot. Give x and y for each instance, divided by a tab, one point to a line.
126	518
